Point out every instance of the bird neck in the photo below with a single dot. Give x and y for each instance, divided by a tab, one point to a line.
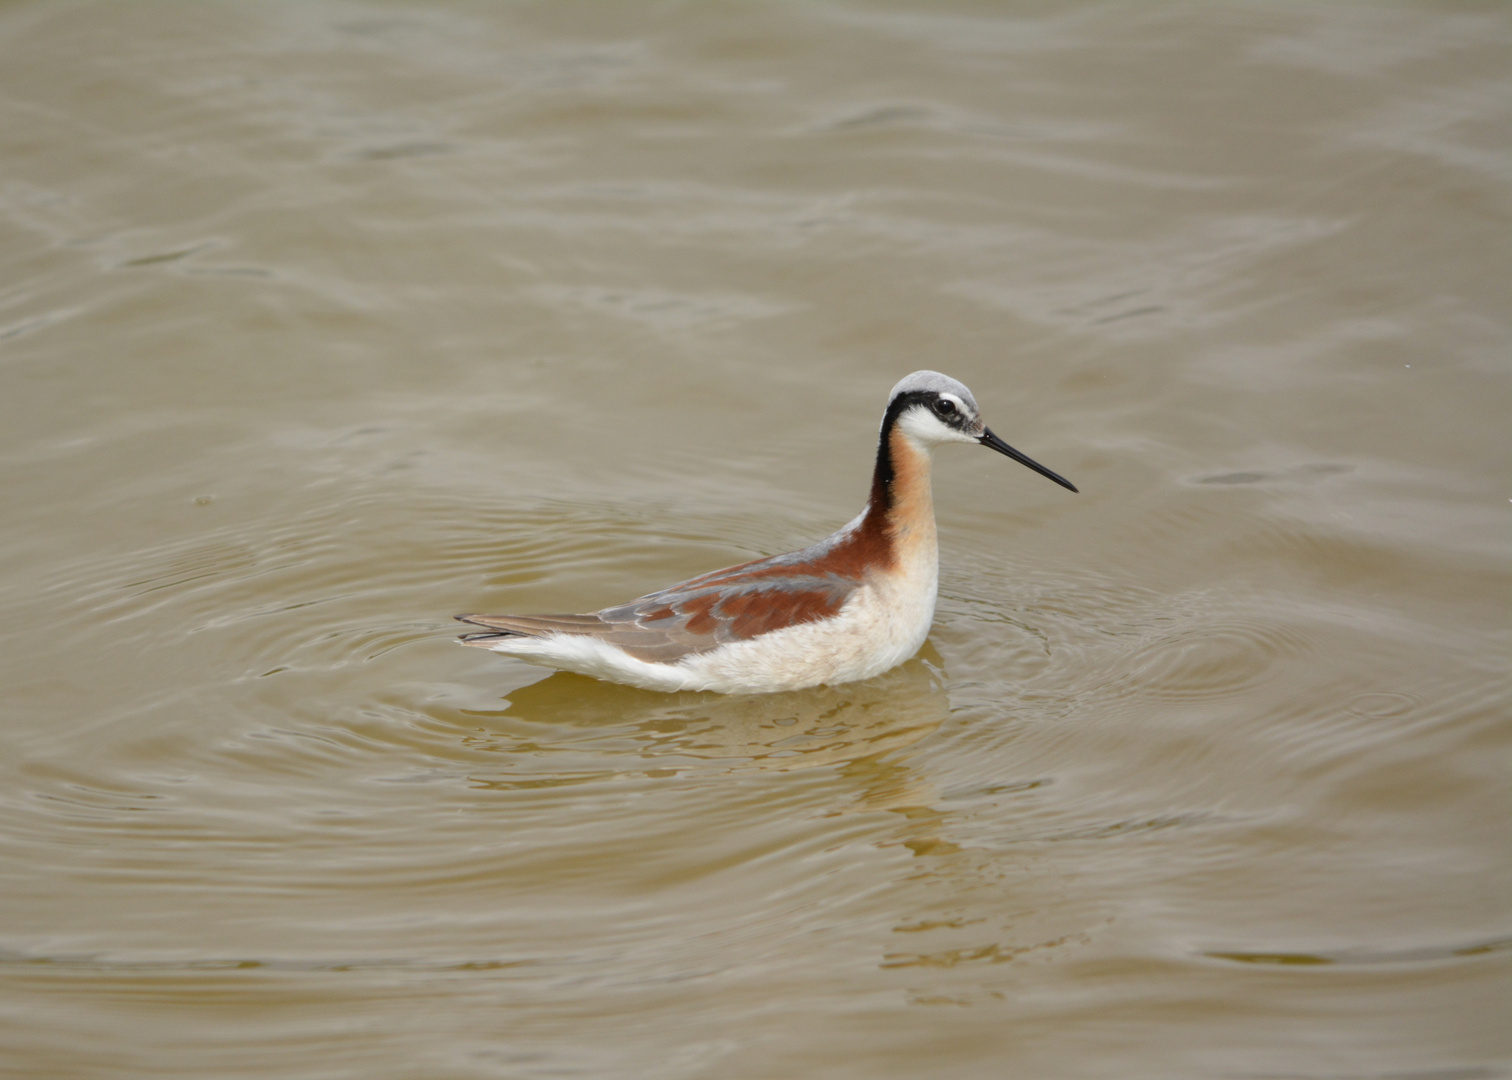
900	512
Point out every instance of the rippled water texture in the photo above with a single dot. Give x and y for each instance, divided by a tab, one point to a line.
320	322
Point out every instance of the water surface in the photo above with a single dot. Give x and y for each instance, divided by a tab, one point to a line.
321	322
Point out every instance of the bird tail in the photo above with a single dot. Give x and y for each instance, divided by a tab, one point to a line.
499	627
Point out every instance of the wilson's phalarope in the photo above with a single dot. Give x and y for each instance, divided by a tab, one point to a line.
849	607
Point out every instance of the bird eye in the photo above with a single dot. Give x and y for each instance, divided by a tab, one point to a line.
944	406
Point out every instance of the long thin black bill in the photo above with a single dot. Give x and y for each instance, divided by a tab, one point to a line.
991	440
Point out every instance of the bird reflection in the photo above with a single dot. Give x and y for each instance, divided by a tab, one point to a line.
800	729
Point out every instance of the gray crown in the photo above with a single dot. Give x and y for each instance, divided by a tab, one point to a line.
933	380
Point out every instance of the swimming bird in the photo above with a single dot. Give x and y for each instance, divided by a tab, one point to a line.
852	606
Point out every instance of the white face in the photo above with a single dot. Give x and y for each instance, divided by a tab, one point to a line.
923	424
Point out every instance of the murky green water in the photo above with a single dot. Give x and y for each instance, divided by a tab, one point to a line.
320	322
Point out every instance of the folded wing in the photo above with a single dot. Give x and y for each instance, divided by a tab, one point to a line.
695	616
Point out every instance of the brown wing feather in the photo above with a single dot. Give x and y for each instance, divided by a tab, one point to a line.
703	613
